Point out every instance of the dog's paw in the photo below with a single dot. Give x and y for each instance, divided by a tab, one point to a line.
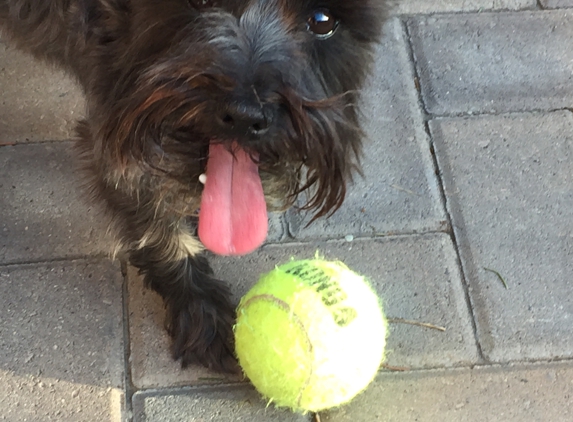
201	332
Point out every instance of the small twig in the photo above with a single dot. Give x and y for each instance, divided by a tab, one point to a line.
395	368
317	417
7	144
403	189
419	324
498	276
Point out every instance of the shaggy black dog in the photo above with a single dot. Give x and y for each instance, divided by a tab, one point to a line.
203	114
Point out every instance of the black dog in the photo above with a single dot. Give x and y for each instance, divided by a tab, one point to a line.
254	97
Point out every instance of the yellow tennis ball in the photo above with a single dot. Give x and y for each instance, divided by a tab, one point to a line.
310	335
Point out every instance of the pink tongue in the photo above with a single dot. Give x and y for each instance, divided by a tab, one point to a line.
233	215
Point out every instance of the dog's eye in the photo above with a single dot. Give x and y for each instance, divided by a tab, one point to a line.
202	4
322	23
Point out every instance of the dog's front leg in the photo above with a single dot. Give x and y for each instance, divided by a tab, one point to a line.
199	310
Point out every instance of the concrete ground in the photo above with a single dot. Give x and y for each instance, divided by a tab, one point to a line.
468	183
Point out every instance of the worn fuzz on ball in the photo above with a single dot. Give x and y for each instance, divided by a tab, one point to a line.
310	335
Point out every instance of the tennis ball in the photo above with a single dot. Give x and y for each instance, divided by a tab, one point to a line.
310	335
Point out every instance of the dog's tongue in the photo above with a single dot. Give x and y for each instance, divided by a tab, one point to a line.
233	215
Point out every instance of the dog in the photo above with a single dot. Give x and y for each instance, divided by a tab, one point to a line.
202	115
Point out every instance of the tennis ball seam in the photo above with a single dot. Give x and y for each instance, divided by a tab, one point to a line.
327	287
286	307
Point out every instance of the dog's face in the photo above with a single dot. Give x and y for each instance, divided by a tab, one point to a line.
236	88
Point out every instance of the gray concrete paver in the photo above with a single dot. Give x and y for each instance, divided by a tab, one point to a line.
509	181
38	102
555	4
442	6
44	213
61	342
221	404
535	393
494	62
399	191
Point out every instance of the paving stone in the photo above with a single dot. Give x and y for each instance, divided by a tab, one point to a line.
221	404
416	277
44	215
509	394
61	342
440	6
38	102
508	180
399	192
494	62
556	4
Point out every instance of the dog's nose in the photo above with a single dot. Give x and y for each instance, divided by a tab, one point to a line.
244	120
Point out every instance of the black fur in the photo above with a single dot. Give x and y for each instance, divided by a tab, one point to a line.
162	79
